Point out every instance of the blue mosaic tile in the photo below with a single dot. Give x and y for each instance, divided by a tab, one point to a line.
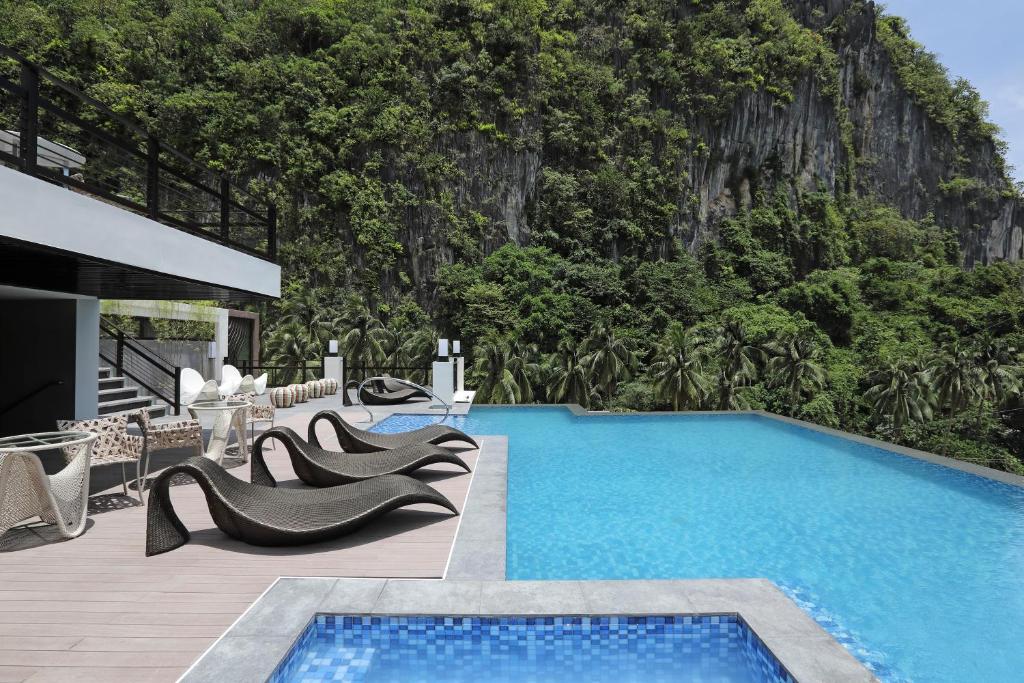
383	649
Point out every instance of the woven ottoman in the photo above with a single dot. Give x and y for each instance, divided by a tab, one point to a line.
282	397
301	392
316	390
330	386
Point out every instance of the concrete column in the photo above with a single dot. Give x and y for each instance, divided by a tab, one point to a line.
334	368
443	380
460	385
87	362
221	338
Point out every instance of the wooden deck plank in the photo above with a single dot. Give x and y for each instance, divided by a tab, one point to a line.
96	609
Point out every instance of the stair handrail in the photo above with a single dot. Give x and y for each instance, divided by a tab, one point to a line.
411	385
38	390
125	339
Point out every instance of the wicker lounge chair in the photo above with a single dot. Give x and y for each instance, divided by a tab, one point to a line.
265	516
384	394
355	440
318	467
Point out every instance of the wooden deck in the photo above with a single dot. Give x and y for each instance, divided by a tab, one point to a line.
96	609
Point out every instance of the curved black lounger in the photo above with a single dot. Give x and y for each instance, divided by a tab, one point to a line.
355	440
273	516
318	467
387	397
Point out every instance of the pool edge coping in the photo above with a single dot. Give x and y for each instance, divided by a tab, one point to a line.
261	639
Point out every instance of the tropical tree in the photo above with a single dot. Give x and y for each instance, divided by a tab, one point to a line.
795	364
290	345
999	376
570	376
901	393
956	380
504	373
610	359
361	335
419	349
737	358
678	369
304	308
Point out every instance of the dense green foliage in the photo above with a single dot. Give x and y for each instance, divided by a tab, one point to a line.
357	115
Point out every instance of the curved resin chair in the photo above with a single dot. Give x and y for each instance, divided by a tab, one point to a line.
192	384
230	380
318	467
385	393
355	440
266	516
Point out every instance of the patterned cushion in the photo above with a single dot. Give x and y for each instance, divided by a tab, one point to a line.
282	397
114	444
315	389
330	386
301	392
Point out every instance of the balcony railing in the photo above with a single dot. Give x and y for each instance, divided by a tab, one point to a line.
83	145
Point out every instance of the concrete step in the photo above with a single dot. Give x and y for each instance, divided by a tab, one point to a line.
124	404
111	382
104	373
155	411
116	393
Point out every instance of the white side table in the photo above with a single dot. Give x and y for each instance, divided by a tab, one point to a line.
228	415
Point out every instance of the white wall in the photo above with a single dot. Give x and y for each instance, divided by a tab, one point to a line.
42	213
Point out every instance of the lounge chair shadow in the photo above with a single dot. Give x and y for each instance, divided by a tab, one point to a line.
392	524
35	536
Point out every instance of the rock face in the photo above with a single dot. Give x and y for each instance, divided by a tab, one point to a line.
892	150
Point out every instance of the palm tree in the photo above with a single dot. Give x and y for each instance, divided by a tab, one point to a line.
496	384
418	349
678	369
999	377
901	393
956	380
609	358
796	365
363	342
290	345
737	363
303	308
570	378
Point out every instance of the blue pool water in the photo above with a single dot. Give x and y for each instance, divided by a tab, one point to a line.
918	569
720	649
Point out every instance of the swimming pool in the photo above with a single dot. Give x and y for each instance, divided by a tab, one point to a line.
914	567
651	649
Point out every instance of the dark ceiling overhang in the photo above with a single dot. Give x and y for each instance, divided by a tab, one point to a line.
34	266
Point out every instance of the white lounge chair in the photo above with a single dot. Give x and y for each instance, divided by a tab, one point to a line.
261	384
230	379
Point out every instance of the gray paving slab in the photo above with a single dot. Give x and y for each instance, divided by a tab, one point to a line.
532	597
429	597
643	597
284	609
245	658
352	596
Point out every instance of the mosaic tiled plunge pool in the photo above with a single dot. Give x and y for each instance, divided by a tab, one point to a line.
913	566
409	649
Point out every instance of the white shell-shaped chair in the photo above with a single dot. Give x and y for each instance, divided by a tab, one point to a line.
261	384
230	379
247	385
191	384
209	392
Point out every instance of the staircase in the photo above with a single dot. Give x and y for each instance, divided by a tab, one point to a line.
117	397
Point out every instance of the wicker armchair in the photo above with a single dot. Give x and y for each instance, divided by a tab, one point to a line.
257	412
59	499
161	437
114	445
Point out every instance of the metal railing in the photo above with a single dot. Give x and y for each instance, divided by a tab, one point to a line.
411	385
130	358
279	375
81	144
